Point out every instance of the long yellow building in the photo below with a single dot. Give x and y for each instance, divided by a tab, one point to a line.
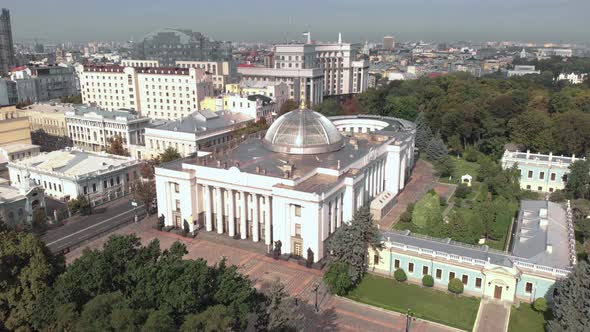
13	129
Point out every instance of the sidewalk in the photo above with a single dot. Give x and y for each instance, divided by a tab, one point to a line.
492	316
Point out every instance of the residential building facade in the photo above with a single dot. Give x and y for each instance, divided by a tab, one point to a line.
19	204
14	128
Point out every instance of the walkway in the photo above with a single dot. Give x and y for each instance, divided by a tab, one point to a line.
422	180
492	316
335	314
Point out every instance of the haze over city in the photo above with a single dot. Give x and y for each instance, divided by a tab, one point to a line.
266	20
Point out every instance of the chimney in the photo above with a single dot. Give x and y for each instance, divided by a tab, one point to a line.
218	163
550	156
338	166
528	154
549	248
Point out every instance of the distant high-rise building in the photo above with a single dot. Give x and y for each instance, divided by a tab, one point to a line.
170	45
388	43
6	45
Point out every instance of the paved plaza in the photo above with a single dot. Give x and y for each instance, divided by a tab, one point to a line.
335	314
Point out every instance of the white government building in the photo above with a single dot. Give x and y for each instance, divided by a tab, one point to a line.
297	184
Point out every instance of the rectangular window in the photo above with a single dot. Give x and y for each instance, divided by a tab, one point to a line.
105	184
477	282
411	267
528	287
297	210
424	270
118	180
438	273
528	187
375	259
298	230
465	279
530	174
177	205
541	175
93	187
540	188
85	190
396	263
552	176
451	275
176	188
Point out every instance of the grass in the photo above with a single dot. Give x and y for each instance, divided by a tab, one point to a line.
426	303
461	168
525	318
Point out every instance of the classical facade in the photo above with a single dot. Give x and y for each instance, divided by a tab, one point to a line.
296	184
14	127
19	203
69	173
92	128
542	251
539	172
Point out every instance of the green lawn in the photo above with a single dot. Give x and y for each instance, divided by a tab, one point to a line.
524	318
427	303
462	167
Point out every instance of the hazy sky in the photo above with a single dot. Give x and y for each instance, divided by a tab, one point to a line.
276	20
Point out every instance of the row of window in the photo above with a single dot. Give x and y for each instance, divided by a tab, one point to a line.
553	176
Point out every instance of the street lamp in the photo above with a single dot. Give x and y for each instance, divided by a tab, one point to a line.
315	289
408	320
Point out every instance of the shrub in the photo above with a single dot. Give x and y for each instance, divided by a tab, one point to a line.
337	278
540	304
455	286
462	191
428	280
400	275
470	154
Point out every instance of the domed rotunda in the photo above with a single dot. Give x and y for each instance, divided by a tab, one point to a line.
303	131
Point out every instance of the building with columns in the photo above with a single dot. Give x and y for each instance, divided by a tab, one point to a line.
296	183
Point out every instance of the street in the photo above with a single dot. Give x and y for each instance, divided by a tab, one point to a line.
83	228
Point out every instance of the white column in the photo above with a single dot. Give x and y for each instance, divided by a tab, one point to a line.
332	216
231	214
380	176
207	199
243	221
255	220
267	221
219	210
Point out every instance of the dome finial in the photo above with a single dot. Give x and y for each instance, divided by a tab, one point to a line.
303	104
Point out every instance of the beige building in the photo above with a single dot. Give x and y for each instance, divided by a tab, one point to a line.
13	128
49	117
222	72
156	92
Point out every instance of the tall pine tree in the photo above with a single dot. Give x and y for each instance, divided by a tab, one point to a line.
571	308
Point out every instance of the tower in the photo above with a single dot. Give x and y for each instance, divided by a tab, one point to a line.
7	60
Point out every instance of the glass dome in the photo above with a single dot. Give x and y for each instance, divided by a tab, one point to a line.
303	131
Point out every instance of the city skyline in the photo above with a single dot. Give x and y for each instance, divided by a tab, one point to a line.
448	20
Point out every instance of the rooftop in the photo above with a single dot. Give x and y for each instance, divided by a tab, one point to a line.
528	156
50	108
91	111
17	147
73	162
542	234
202	121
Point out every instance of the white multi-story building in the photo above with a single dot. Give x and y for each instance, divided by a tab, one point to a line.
521	70
155	92
92	128
296	64
69	173
298	184
202	129
19	203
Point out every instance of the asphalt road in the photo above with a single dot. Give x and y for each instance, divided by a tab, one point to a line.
83	228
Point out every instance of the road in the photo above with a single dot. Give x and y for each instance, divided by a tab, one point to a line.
83	228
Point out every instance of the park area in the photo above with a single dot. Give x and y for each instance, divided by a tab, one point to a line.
480	212
425	303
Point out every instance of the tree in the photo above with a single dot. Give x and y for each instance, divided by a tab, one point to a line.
116	146
159	321
532	129
540	304
39	223
145	191
423	131
571	301
445	166
462	191
329	107
28	269
455	286
401	107
337	278
427	213
578	180
288	106
400	275
351	241
279	309
168	155
146	170
215	318
436	148
427	280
